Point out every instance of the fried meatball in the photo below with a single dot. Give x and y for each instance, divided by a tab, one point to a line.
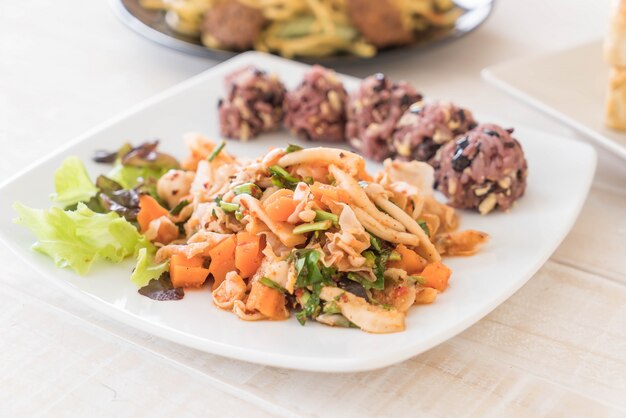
484	169
316	109
423	129
380	22
232	25
254	103
373	111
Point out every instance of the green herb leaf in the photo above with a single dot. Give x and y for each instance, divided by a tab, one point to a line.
293	148
424	227
248	188
228	207
313	226
181	205
322	215
272	284
331	307
216	151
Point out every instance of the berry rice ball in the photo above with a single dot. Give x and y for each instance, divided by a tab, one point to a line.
424	128
373	111
252	105
316	109
484	169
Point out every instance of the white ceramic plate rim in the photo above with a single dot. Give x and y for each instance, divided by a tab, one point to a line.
391	356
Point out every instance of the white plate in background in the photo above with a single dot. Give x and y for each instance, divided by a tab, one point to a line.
521	241
569	85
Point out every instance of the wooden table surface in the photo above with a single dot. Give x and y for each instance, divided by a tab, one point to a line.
556	348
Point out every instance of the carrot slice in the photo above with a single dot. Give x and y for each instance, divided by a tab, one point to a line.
280	205
183	276
248	256
436	276
270	302
410	261
222	259
187	272
149	210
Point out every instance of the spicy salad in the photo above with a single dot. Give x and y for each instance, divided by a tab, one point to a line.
296	231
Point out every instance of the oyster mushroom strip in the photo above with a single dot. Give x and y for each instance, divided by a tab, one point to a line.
350	161
370	318
377	194
282	230
360	199
380	231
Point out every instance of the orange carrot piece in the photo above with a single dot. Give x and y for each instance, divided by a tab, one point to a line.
181	260
149	210
410	261
436	275
280	205
270	302
321	190
248	256
183	276
222	259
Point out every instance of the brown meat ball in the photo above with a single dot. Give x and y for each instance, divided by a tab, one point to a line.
380	22
233	25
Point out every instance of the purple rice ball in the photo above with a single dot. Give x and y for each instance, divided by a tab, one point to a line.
316	109
484	169
253	104
424	128
373	111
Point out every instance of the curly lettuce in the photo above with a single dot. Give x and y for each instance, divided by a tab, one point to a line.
77	238
72	183
147	269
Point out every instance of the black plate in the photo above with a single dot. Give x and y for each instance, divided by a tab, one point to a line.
151	24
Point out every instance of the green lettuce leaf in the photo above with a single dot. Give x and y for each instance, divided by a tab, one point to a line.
72	183
77	238
146	269
130	176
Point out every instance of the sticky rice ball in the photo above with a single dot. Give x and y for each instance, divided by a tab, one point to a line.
484	169
424	128
253	104
316	109
373	111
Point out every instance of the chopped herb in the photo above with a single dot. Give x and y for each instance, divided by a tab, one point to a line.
370	258
216	151
228	207
322	215
417	279
239	214
375	243
281	178
331	308
293	148
182	204
394	256
272	284
248	188
307	264
424	226
313	226
310	304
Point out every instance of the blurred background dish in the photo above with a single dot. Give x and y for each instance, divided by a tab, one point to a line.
313	30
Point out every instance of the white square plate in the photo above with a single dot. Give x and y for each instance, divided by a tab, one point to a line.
521	241
569	85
